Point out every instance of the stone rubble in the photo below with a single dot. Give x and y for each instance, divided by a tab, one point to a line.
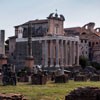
11	96
84	93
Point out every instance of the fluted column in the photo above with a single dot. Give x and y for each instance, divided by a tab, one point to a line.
43	53
77	53
46	53
57	53
73	53
51	53
70	53
66	53
62	52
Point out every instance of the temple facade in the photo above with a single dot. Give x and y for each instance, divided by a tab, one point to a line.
50	46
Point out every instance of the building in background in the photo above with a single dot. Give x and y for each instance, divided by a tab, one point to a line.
89	40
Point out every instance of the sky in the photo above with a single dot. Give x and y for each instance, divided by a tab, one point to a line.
76	12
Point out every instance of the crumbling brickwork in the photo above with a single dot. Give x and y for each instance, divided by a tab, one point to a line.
20	53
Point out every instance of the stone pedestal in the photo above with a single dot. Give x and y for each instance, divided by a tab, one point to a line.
29	62
24	78
80	78
61	79
3	60
95	78
39	79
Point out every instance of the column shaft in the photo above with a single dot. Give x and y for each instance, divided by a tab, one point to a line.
43	53
73	53
70	53
51	53
46	53
77	53
57	53
66	53
62	53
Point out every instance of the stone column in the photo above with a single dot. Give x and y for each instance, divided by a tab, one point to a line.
73	53
43	53
46	54
57	53
51	53
66	53
70	53
62	53
77	53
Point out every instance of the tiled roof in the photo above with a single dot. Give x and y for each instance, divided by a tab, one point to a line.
35	22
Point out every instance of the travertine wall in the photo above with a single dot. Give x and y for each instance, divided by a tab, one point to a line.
20	54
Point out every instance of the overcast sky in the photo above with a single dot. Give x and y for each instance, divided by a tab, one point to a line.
76	12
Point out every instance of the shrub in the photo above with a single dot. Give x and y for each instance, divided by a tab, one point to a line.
83	61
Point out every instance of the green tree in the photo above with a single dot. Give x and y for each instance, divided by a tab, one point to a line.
83	61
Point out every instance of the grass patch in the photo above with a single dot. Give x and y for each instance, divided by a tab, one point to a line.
50	91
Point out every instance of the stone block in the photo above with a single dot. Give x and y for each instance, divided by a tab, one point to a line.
80	78
39	79
61	79
23	79
95	78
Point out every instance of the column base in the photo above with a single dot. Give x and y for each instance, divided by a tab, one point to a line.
62	66
77	65
45	66
51	65
65	65
57	66
29	62
69	65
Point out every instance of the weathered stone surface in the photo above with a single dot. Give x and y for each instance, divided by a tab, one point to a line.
61	78
90	69
84	93
39	79
80	78
95	78
11	96
20	54
8	74
23	79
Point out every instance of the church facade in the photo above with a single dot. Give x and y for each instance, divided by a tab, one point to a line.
50	46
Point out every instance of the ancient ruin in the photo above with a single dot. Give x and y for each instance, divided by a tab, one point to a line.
8	74
84	93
